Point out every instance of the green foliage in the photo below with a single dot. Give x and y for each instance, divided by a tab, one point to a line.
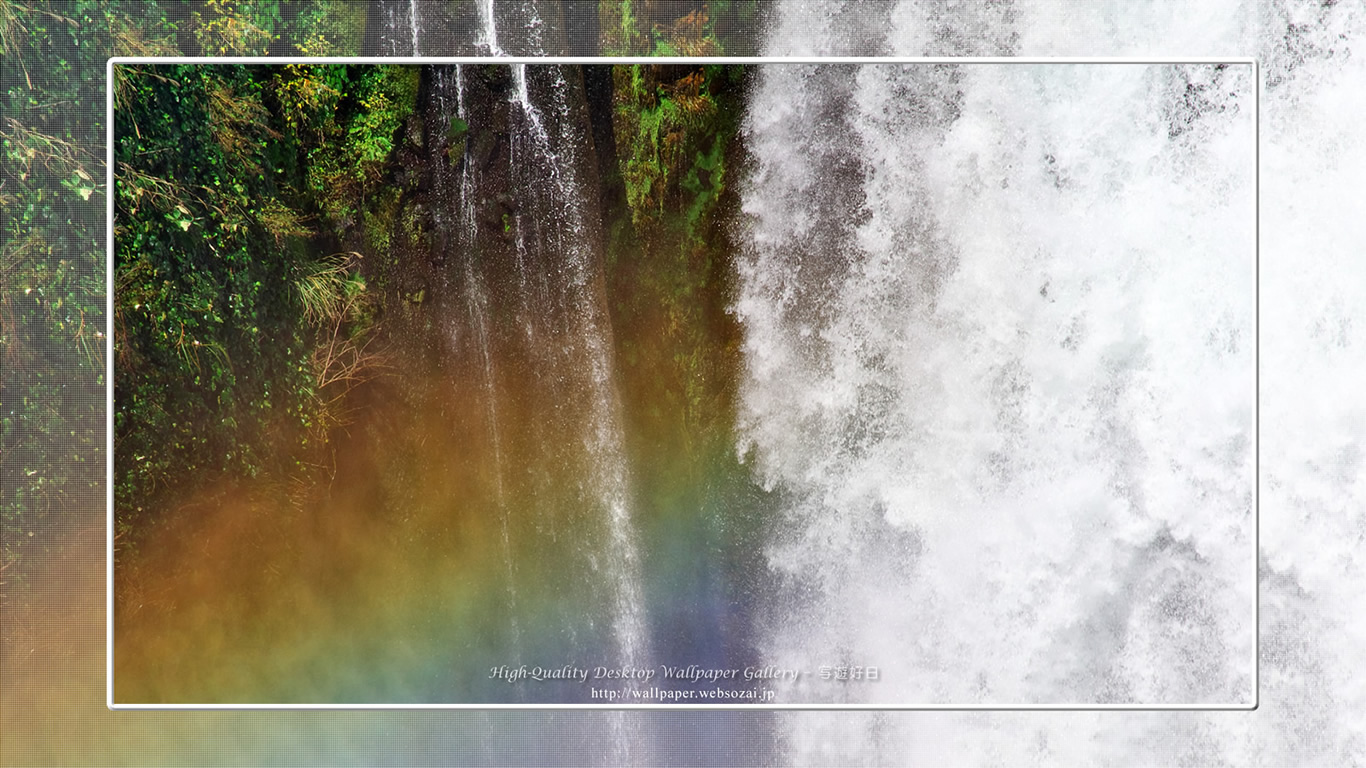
654	28
621	35
328	28
236	27
193	292
378	214
233	306
455	140
266	27
52	315
669	262
664	130
230	188
351	141
52	242
323	289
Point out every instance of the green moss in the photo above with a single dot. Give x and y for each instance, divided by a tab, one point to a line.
705	181
658	125
456	134
456	130
621	35
237	188
412	229
379	217
668	256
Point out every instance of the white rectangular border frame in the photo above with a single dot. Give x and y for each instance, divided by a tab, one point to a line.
721	60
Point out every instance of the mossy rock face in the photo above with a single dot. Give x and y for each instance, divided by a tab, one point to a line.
669	256
455	153
488	147
672	125
456	130
379	218
416	131
495	77
414	224
456	133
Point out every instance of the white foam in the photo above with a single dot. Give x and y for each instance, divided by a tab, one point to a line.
1029	347
1313	285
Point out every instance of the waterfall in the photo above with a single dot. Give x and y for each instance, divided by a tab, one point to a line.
998	336
428	28
399	24
561	219
999	345
604	441
489	29
542	175
563	193
476	320
529	321
413	25
1311	291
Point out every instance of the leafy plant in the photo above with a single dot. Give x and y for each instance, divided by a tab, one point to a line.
231	28
224	240
172	216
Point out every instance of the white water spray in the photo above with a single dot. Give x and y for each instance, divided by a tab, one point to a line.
413	24
489	29
1312	431
605	441
477	317
999	338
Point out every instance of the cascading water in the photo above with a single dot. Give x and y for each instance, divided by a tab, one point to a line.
559	234
429	27
604	441
476	318
1311	432
557	191
399	24
413	25
563	192
1312	419
999	348
526	286
489	29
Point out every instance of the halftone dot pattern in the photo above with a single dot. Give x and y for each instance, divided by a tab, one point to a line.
52	665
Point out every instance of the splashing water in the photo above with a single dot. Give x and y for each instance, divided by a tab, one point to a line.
999	338
1312	433
1312	425
563	222
413	25
399	25
475	322
565	194
604	441
558	306
489	36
